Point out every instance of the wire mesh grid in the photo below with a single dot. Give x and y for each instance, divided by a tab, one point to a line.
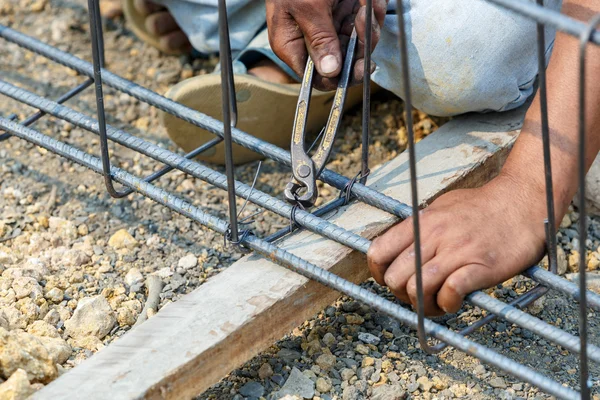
351	189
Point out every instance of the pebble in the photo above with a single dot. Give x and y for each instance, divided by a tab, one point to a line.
93	316
55	295
329	340
265	371
424	384
566	222
388	392
187	262
17	387
326	361
362	349
353	319
323	385
368	338
479	370
347	373
133	277
498	383
122	239
252	389
298	384
412	387
289	356
21	350
26	287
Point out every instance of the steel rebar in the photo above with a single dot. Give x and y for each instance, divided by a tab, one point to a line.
293	262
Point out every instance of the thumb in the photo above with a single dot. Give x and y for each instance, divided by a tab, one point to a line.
322	40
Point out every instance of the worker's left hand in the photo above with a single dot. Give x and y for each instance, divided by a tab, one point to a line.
321	28
470	239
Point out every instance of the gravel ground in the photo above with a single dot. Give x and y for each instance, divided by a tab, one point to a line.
74	263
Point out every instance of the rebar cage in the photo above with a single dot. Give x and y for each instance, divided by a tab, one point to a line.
351	189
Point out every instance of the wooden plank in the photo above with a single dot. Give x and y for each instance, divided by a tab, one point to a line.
191	344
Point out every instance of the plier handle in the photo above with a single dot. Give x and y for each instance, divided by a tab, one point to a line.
305	170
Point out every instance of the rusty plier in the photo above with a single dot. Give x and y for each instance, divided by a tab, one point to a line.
302	189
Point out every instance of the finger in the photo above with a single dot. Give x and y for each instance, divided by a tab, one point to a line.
161	23
434	273
403	268
379	8
321	39
361	29
286	40
146	7
174	41
384	249
358	73
463	281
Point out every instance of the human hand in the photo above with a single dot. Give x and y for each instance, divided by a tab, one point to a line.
321	28
471	239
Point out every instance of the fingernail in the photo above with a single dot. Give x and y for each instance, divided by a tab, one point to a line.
329	64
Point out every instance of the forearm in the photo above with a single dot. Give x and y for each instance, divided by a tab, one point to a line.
525	163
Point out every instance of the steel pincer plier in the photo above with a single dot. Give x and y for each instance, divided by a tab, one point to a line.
302	189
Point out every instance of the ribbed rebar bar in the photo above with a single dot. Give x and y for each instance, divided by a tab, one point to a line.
294	263
529	322
361	192
304	218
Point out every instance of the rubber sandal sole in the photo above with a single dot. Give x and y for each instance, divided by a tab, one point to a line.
265	110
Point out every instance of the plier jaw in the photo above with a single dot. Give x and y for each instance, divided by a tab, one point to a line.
305	170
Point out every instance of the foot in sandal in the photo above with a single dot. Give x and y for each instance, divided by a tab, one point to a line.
266	88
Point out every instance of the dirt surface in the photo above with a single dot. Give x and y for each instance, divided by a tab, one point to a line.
72	258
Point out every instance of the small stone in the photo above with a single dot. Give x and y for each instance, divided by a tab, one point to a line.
26	287
298	384
20	350
133	277
289	356
42	328
187	262
122	240
424	384
265	371
323	385
63	228
353	319
55	295
593	263
58	349
326	361
561	258
164	273
412	387
329	340
91	343
573	261
368	338
566	222
252	389
388	392
439	384
93	316
17	387
479	370
368	362
497	383
52	317
362	349
347	374
351	393
126	316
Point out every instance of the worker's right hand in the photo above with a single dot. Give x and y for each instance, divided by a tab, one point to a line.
321	28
